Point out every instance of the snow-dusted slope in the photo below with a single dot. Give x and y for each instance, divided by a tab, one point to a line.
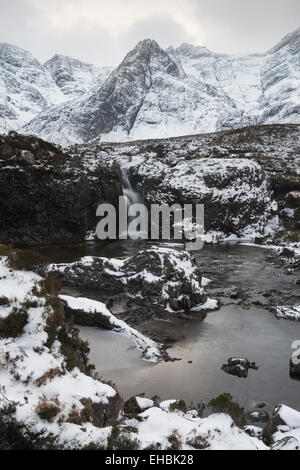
281	81
152	94
188	90
74	77
26	88
146	96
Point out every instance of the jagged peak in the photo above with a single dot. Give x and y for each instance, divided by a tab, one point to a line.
148	43
59	58
146	50
287	39
5	46
190	50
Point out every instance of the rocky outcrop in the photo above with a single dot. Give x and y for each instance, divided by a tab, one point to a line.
242	177
285	423
136	405
73	77
238	367
48	197
295	369
26	88
87	312
158	280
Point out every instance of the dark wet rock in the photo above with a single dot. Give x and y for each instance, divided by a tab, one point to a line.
137	405
259	404
102	414
237	293
238	367
294	198
96	319
48	197
258	417
287	253
294	369
253	431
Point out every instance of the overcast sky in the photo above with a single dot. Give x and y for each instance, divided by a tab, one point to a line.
103	31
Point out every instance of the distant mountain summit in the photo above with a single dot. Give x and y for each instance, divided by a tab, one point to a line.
153	93
28	87
74	77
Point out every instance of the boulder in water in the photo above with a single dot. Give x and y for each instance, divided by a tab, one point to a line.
238	367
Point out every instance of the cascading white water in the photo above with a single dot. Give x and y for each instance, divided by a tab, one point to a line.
132	197
130	193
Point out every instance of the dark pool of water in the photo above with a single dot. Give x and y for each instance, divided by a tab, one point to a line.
109	249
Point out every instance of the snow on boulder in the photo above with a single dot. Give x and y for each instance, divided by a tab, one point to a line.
285	422
88	312
164	278
136	405
287	313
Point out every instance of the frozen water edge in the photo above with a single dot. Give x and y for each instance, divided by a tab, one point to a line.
151	351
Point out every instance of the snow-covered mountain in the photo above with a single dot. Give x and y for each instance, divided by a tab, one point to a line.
28	87
155	93
74	77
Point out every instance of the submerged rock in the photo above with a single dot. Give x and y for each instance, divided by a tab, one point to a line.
294	370
238	367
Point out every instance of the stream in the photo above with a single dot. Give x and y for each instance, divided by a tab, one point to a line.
203	347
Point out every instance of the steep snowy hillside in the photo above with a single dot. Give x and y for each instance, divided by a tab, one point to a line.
188	90
26	88
74	77
152	94
281	81
147	95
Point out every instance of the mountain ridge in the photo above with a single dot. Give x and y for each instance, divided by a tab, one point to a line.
157	93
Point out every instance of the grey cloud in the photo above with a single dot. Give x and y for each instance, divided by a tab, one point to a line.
225	25
162	28
237	26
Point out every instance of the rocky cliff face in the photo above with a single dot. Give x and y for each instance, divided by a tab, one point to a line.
73	77
189	90
48	197
26	88
247	179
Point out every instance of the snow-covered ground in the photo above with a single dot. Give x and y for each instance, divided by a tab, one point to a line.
34	375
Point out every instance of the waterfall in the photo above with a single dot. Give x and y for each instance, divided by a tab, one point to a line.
132	197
